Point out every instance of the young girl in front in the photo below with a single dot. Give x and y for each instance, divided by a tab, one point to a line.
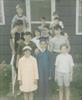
27	74
64	71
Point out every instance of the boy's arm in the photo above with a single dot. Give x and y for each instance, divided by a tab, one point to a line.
12	39
13	21
50	67
12	46
71	68
68	43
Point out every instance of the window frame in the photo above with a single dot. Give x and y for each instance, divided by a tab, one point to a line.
2	12
28	12
77	17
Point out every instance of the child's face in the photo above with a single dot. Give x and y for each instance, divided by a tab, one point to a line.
19	28
45	31
64	49
37	33
43	45
27	37
27	53
57	32
19	11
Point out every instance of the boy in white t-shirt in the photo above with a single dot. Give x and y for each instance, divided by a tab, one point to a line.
20	16
64	71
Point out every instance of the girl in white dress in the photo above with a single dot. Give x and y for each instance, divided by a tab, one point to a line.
27	74
64	71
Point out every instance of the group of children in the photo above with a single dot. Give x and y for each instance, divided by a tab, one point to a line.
40	58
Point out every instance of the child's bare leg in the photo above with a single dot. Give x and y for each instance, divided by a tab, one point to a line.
31	96
61	93
26	97
67	93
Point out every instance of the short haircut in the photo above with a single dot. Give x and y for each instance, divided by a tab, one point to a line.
18	23
57	27
28	33
43	39
63	45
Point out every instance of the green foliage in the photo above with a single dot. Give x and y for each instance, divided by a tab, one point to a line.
5	78
77	81
54	87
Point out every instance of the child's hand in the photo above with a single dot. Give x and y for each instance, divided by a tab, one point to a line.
37	51
66	35
20	41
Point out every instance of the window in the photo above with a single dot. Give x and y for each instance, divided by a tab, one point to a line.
39	8
79	17
2	19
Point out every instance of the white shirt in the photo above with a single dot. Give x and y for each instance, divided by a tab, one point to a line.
56	42
23	18
36	41
64	63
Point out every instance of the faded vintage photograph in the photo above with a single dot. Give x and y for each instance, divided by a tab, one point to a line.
40	49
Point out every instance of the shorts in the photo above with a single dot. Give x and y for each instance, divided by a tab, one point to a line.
63	79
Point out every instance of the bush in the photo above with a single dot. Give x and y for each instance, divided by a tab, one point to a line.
5	78
54	87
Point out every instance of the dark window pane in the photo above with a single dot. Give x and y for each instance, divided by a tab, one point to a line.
40	8
34	27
